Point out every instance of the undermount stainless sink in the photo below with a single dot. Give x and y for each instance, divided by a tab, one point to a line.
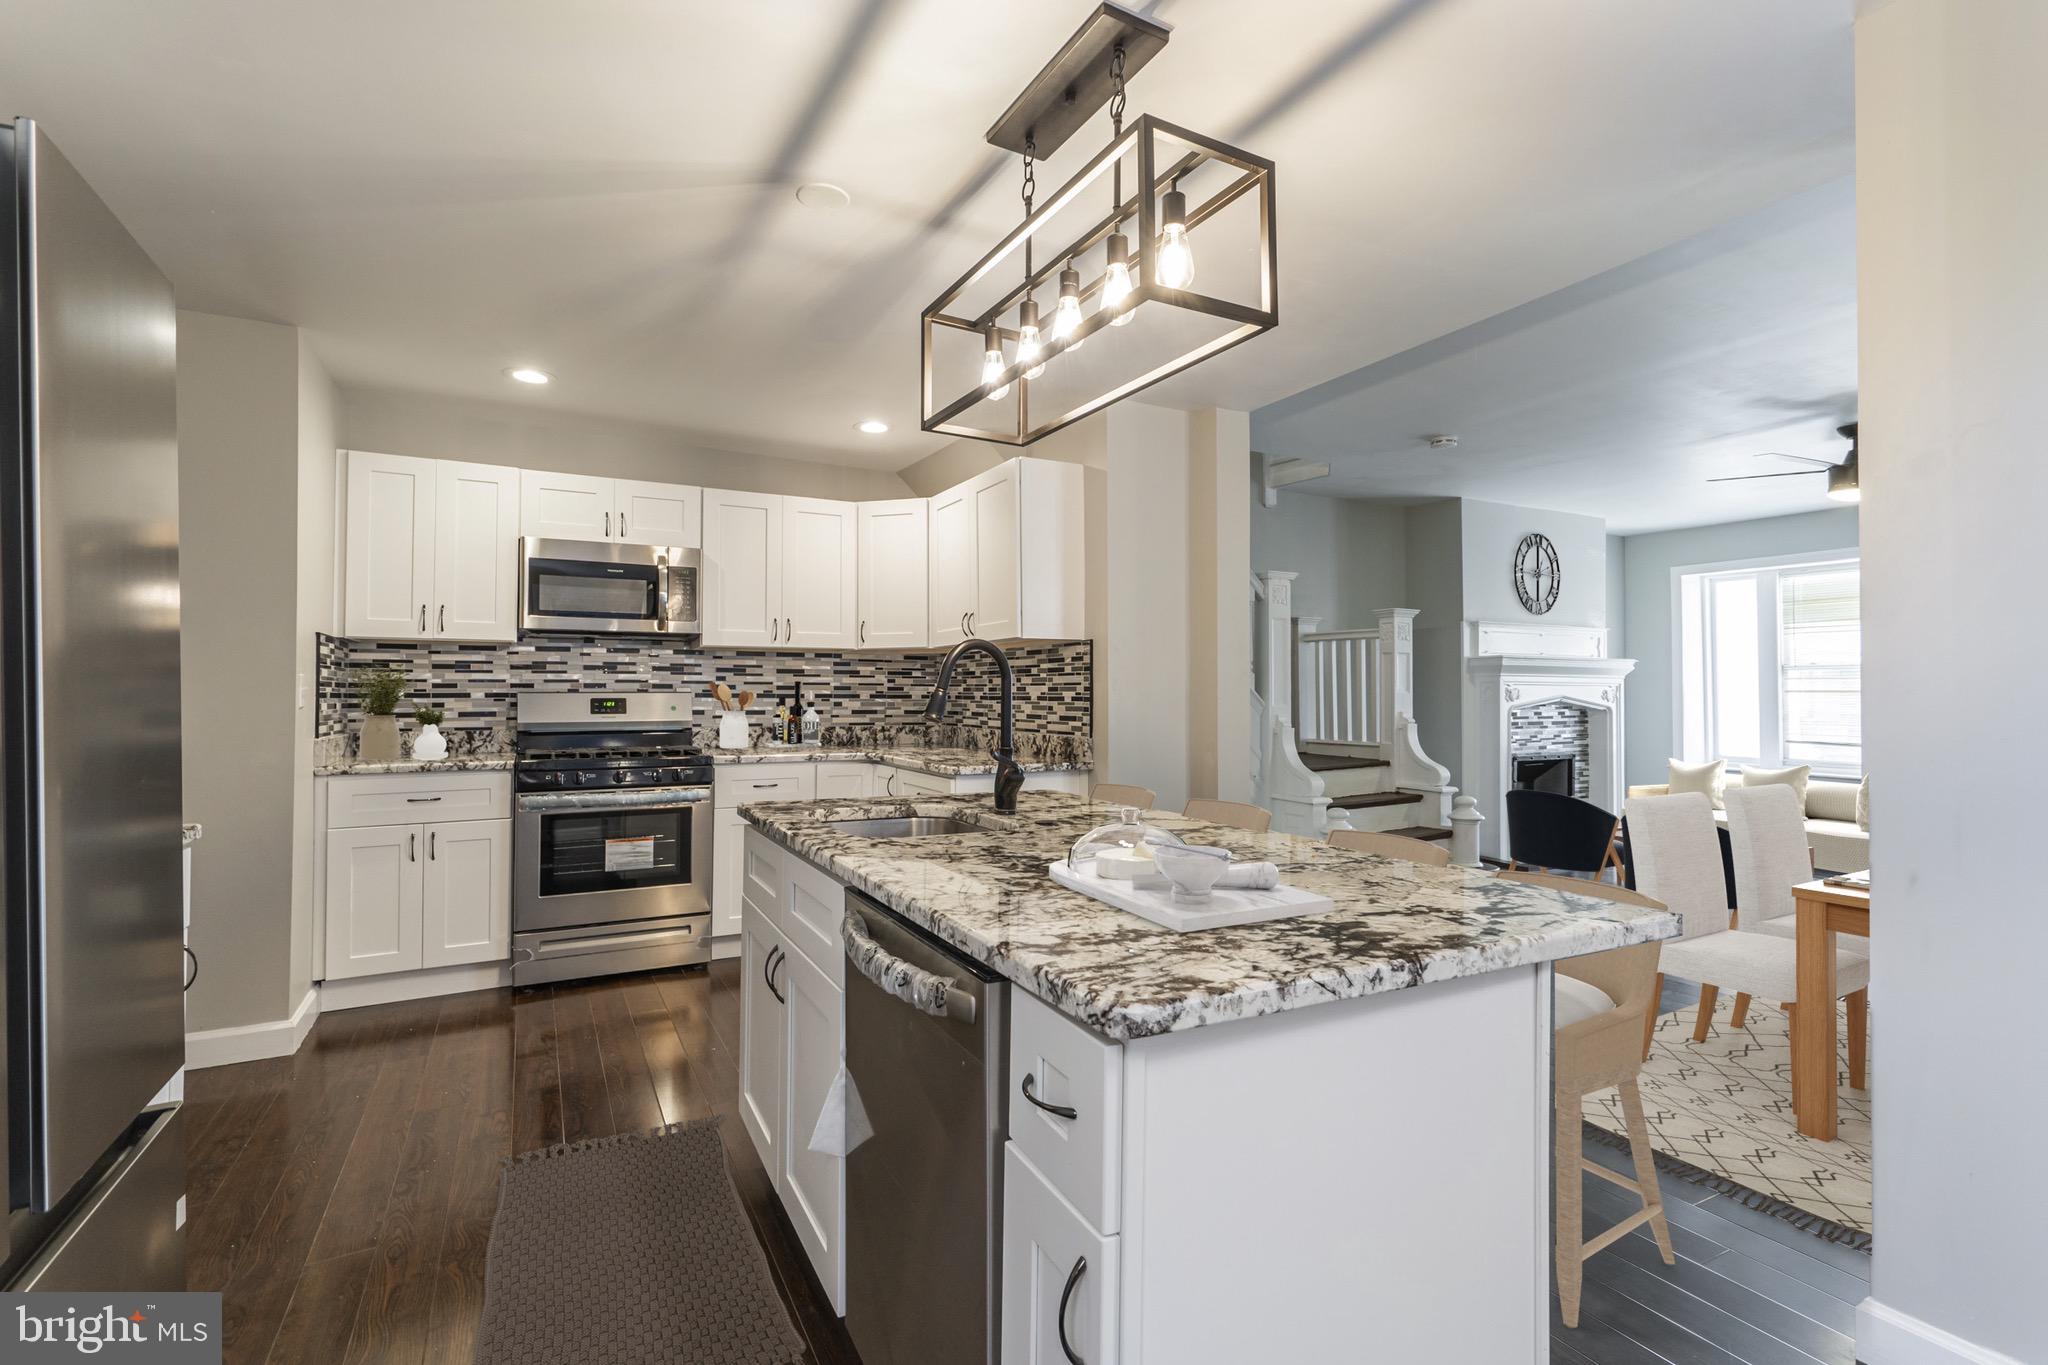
906	827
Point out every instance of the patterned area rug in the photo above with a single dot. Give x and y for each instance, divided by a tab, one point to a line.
1724	1108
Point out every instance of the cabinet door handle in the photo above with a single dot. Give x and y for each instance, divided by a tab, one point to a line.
863	635
412	848
765	786
442	626
433	839
788	628
970	623
423	618
1056	1110
1073	1278
774	629
768	975
416	800
607	526
622	526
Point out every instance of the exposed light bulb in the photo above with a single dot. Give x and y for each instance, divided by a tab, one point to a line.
992	366
1116	281
1029	352
1176	254
1066	318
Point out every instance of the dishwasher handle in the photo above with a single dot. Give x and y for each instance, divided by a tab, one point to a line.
939	996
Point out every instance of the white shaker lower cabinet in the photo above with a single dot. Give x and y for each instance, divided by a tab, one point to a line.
374	892
764	1037
398	890
1059	1275
845	781
792	1044
468	890
813	1184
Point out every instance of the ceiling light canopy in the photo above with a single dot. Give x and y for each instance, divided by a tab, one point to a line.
985	339
528	375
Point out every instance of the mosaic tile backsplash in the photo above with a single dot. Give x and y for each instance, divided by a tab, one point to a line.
862	698
1555	728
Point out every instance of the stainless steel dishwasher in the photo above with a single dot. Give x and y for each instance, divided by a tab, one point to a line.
927	1047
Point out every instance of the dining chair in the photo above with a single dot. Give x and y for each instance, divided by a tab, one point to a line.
1236	814
1117	794
1391	846
1600	1002
1678	862
1560	833
1767	831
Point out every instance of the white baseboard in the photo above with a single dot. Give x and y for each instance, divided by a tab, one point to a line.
253	1042
722	948
1885	1336
356	992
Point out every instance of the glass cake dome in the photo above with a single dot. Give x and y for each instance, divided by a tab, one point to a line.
1123	847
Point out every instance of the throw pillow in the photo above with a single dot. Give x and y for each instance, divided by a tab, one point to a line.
1704	778
1795	778
1863	804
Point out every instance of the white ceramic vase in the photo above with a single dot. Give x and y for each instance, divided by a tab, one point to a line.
430	744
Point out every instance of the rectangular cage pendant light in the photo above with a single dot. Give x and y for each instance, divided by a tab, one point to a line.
1111	257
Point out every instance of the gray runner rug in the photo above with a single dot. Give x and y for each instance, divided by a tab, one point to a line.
626	1250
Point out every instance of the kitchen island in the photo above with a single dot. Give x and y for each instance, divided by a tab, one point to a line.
1323	1138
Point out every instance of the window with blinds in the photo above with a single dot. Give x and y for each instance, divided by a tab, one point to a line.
1820	667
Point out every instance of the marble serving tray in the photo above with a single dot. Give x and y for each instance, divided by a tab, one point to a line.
1223	910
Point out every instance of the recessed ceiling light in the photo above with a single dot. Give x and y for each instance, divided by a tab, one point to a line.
871	427
528	376
819	195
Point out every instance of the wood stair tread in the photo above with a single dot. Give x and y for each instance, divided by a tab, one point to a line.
1331	763
1364	800
1428	833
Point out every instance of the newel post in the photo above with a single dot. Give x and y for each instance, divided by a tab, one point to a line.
1279	642
1395	687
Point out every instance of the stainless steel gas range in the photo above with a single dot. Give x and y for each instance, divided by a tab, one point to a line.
611	837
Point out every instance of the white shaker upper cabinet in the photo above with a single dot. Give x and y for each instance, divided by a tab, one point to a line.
819	576
951	564
389	576
1008	555
997	532
742	573
657	513
566	506
476	552
894	590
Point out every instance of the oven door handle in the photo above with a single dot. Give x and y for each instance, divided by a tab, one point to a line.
652	799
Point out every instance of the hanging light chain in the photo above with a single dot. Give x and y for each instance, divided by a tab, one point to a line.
1116	99
1030	192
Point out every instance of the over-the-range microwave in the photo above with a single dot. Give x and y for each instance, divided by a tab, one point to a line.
579	586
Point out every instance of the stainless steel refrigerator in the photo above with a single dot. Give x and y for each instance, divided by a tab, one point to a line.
89	739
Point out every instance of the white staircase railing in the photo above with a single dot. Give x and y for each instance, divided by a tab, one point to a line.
1338	679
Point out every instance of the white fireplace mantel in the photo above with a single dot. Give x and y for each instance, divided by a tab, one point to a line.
1496	684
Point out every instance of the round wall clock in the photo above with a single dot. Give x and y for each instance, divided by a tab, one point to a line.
1536	573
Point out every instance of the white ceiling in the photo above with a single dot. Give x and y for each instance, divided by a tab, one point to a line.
1619	396
605	189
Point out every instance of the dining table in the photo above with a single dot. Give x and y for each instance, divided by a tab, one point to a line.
1825	910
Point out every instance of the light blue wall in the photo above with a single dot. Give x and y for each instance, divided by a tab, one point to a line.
1644	610
1617	599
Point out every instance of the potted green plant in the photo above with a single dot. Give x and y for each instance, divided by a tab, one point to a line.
429	745
380	690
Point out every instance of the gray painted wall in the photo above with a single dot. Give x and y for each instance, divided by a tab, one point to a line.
1351	554
1492	530
1434	569
1617	599
1647	564
528	437
238	386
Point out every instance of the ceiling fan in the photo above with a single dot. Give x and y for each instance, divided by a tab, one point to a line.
1842	485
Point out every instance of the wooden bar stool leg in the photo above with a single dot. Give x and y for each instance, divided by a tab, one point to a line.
1646	1168
1859	1025
1708	996
1571	1201
1741	1009
1650	1017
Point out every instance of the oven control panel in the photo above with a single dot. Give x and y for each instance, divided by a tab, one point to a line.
599	775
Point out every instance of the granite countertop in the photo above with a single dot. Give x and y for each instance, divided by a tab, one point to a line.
454	763
917	758
1396	925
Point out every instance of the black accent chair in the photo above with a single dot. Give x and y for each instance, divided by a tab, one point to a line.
1558	833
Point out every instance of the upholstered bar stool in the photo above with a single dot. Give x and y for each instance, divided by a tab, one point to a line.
1602	999
1236	814
1391	846
1117	794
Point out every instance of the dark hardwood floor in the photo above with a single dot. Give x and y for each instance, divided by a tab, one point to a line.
341	1199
